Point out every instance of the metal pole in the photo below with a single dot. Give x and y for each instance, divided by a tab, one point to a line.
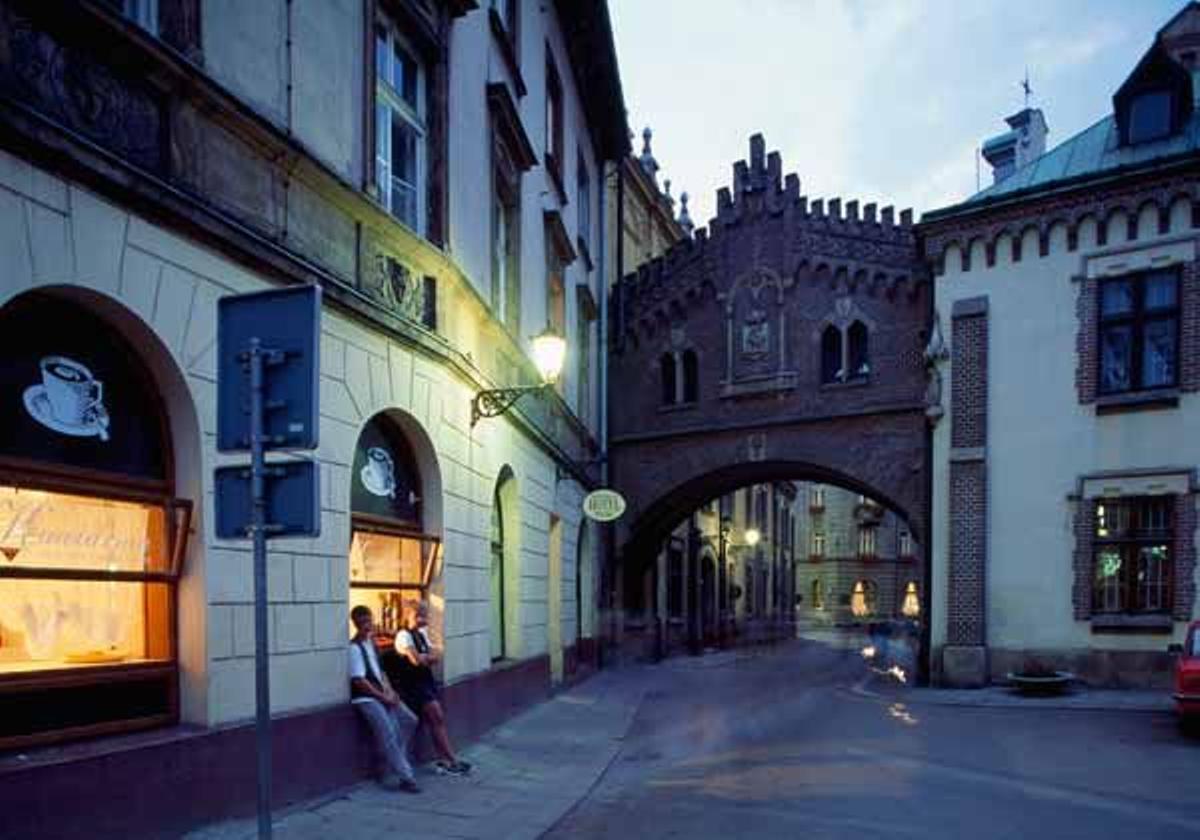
262	682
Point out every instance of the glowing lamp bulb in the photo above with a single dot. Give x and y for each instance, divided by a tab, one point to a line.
549	352
752	537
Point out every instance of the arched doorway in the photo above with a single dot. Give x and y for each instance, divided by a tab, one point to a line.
503	589
92	533
393	556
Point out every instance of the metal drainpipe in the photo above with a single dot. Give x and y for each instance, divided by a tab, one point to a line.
924	658
605	541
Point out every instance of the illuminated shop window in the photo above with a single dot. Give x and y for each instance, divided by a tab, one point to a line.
91	538
391	558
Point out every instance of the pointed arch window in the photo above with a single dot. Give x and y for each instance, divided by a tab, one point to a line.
691	376
858	351
831	355
666	366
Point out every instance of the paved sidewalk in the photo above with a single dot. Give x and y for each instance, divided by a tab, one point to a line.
884	687
527	774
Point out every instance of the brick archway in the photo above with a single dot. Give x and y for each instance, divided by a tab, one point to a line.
807	324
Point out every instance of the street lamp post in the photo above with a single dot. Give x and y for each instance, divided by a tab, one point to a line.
722	581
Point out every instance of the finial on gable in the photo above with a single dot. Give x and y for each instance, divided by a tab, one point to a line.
685	220
647	159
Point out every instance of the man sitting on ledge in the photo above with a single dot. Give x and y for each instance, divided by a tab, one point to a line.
392	724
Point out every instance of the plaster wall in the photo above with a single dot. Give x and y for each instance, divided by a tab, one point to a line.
476	61
246	50
1040	438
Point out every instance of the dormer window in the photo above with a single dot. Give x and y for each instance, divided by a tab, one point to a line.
1155	102
1150	116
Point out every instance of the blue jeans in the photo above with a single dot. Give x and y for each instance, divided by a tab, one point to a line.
391	727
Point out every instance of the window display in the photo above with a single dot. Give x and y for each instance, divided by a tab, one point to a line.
81	581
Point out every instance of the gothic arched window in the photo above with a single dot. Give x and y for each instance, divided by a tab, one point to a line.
667	375
691	377
831	355
860	360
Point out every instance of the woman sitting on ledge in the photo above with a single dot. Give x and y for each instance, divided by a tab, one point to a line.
418	686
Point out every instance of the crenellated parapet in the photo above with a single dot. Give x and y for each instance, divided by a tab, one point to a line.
852	248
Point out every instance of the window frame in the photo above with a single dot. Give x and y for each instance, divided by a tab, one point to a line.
389	102
583	198
1136	320
506	266
554	129
1129	542
1170	127
177	516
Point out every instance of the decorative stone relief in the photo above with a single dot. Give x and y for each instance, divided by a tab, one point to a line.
755	334
394	286
74	88
935	353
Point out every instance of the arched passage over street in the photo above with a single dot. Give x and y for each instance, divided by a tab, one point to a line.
646	531
805	324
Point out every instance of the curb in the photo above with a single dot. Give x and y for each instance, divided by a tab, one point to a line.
860	689
631	716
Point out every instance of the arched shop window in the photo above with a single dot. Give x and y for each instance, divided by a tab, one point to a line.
91	534
391	556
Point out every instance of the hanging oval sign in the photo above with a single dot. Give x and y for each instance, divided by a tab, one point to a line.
603	505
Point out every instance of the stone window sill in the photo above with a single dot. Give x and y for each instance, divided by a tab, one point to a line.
1128	623
857	382
1137	401
684	406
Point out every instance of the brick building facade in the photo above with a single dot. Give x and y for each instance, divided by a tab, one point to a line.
783	342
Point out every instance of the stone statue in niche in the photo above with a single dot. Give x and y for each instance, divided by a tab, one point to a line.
756	336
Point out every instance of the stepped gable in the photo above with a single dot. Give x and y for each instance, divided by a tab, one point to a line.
858	249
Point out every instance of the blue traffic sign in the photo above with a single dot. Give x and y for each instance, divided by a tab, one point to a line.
291	494
284	324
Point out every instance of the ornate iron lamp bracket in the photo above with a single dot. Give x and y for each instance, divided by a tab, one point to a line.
496	401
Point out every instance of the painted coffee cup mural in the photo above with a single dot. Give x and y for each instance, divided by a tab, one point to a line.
69	400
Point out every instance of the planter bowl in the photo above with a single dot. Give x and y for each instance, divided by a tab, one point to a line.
1043	684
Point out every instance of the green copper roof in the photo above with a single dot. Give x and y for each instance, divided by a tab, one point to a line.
1095	151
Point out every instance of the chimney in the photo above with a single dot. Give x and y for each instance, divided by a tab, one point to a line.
1025	142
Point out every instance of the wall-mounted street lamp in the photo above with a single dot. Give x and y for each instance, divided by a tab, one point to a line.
549	352
752	536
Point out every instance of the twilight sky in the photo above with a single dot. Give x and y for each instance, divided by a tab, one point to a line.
879	100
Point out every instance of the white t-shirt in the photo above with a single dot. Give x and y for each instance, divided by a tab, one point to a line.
359	667
404	640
